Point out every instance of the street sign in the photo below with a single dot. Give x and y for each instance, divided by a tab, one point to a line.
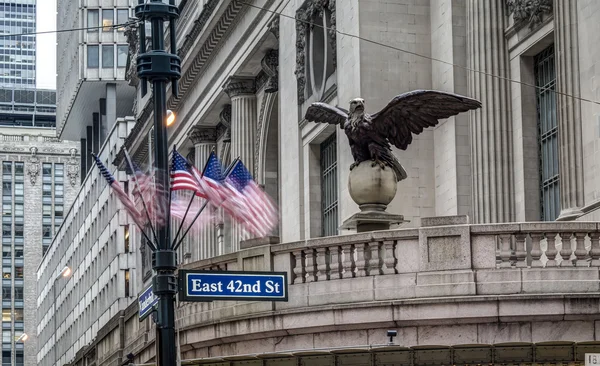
592	359
146	302
232	285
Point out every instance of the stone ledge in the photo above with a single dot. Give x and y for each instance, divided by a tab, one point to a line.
257	242
444	220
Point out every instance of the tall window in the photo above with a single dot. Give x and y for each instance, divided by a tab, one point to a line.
329	188
545	80
93	20
108	56
108	16
122	18
93	55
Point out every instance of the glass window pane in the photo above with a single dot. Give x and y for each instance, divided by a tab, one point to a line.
93	57
18	272
19	189
19	230
6	188
107	19
59	170
122	51
18	251
93	19
58	210
6	293
108	56
47	169
19	312
19	168
6	168
122	17
59	190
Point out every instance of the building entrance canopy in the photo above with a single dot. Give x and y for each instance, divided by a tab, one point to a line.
469	354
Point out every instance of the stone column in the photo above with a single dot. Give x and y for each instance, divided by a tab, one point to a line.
242	92
491	127
568	109
204	140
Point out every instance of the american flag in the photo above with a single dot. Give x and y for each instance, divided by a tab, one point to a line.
252	205
181	175
123	197
211	181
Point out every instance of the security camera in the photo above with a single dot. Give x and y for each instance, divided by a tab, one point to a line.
392	334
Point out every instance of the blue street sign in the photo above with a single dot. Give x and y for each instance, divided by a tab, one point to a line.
232	285
146	302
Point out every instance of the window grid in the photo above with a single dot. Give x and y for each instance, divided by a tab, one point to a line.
329	188
545	80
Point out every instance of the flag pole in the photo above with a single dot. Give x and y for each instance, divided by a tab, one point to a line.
137	185
203	206
191	225
183	219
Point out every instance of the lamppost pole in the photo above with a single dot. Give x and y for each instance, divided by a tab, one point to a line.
159	67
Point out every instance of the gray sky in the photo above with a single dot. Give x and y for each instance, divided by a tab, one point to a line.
46	44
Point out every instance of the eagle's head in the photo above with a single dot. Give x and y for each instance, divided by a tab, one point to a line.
357	111
357	105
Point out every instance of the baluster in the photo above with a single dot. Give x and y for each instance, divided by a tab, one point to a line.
334	266
580	251
299	272
551	251
389	261
521	251
566	250
375	262
536	251
505	251
311	265
321	264
361	260
347	264
595	249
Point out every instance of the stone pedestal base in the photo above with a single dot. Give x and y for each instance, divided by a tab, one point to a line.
371	218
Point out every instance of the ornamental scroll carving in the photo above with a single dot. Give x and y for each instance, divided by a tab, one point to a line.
73	167
312	9
132	36
33	167
531	11
270	65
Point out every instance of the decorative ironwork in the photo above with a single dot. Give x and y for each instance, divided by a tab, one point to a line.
531	11
329	186
545	80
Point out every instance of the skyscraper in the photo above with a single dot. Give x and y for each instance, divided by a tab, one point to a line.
17	43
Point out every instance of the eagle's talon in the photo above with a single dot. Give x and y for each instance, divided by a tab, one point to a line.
378	162
354	165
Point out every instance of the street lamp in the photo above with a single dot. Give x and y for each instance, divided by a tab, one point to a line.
66	272
170	117
23	338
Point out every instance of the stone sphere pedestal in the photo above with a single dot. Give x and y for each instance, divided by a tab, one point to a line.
372	188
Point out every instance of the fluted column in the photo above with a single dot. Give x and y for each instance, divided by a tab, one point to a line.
568	109
204	140
242	92
491	128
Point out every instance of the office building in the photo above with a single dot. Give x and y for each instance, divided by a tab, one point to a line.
17	53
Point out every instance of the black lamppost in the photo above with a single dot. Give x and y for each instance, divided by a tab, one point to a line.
160	67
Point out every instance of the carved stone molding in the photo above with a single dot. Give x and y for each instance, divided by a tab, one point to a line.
237	86
203	134
33	167
73	167
305	16
531	11
132	35
270	66
223	133
225	116
274	27
191	156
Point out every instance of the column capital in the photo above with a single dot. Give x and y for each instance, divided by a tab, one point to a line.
203	134
237	86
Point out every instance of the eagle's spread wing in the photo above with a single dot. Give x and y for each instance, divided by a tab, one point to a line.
325	113
411	112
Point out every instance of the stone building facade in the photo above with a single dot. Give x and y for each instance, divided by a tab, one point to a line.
249	72
40	179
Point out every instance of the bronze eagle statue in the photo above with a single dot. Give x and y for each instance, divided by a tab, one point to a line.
370	135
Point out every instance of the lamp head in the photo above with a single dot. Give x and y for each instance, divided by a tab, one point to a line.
170	117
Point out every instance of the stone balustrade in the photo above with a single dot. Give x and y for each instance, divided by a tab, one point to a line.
443	275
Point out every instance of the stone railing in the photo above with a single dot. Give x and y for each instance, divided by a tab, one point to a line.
461	282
